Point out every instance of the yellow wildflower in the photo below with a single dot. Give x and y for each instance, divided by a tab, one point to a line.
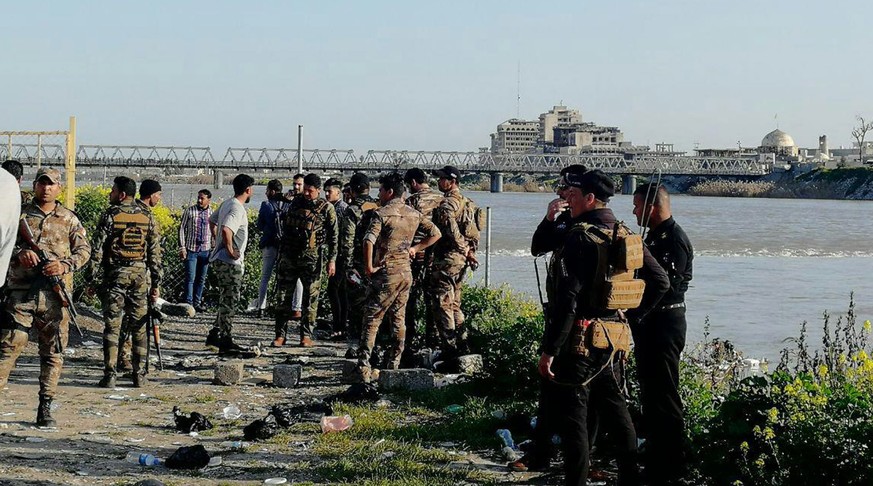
822	371
772	415
769	434
867	325
744	447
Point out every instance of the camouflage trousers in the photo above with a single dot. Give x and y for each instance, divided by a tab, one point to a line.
45	314
444	294
421	271
125	302
357	293
389	293
308	269
229	280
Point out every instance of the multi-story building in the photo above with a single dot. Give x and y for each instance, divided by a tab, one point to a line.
514	136
558	116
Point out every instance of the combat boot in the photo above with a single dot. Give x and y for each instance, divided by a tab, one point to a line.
44	413
108	381
140	380
213	340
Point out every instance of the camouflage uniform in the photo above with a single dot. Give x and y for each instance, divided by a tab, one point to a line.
31	303
351	259
309	242
130	270
391	229
124	339
447	275
424	202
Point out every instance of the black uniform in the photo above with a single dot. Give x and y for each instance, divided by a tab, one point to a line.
564	400
659	339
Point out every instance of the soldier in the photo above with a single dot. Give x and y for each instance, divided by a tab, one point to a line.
228	263
30	299
423	199
127	249
309	242
350	248
149	197
453	253
580	372
660	338
339	301
387	250
15	168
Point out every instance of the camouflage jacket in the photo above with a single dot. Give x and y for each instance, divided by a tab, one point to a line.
105	236
350	238
60	234
392	229
452	245
424	202
309	228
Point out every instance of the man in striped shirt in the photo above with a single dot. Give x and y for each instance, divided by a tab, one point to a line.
195	241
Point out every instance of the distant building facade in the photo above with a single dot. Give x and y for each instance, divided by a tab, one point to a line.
515	136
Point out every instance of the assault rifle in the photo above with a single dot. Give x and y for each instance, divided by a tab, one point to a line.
57	284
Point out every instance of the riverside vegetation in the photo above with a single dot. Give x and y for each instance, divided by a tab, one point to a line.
809	421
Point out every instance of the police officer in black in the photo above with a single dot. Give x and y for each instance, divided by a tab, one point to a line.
659	338
572	278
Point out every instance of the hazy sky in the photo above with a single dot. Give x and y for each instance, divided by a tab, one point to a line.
433	75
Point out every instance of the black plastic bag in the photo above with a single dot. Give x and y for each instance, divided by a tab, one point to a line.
261	429
193	423
357	393
288	415
194	457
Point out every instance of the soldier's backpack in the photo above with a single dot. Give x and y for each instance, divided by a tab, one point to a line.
129	236
471	221
303	226
619	256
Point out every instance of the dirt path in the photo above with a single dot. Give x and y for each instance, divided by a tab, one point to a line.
98	427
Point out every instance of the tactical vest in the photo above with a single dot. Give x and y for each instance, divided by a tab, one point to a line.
304	226
614	285
130	233
471	220
360	229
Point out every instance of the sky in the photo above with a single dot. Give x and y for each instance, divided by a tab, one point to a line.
408	75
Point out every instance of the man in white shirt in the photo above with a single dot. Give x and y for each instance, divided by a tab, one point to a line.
10	211
228	260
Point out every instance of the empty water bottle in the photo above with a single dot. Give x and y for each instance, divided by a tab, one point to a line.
142	458
234	444
506	437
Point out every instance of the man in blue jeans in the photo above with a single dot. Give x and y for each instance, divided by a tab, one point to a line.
195	242
268	222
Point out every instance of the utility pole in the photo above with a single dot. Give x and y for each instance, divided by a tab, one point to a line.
299	149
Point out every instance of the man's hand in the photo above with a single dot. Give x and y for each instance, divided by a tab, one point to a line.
545	366
53	268
369	269
331	269
413	250
233	253
555	208
154	294
28	258
183	253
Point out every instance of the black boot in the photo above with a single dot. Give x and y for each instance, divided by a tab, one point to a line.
108	381
213	339
44	413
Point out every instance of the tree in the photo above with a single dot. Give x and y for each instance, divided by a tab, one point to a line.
859	133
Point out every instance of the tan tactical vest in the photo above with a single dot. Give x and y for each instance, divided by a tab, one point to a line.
129	236
304	226
619	255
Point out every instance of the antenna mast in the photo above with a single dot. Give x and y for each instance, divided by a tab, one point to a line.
518	91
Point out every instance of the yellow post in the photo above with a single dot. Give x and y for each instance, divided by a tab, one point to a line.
71	165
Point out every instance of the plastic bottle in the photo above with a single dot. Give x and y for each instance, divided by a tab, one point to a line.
234	444
142	458
506	437
336	424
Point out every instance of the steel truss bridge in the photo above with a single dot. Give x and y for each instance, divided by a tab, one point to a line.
173	158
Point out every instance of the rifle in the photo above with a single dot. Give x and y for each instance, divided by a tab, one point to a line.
153	331
57	285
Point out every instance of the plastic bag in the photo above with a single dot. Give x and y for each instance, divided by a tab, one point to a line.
187	424
194	457
261	429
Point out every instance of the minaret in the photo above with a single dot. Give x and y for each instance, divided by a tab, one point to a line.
823	151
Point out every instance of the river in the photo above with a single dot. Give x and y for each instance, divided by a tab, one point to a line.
761	266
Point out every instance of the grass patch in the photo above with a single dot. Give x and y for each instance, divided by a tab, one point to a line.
204	398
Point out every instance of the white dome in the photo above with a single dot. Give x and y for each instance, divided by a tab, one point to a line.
777	139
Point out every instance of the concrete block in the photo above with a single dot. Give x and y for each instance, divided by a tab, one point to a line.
412	379
470	364
228	372
287	376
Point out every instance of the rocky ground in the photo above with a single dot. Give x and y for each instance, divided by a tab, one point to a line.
98	427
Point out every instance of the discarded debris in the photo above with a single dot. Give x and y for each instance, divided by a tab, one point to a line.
187	424
231	412
261	429
288	415
357	393
194	457
335	423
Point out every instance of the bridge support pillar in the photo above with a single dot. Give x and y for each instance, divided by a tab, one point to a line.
628	184
496	182
217	179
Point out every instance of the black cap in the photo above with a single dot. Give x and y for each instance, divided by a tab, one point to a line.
593	182
333	182
448	172
149	187
574	168
359	182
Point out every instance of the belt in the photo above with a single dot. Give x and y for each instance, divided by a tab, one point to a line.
678	305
